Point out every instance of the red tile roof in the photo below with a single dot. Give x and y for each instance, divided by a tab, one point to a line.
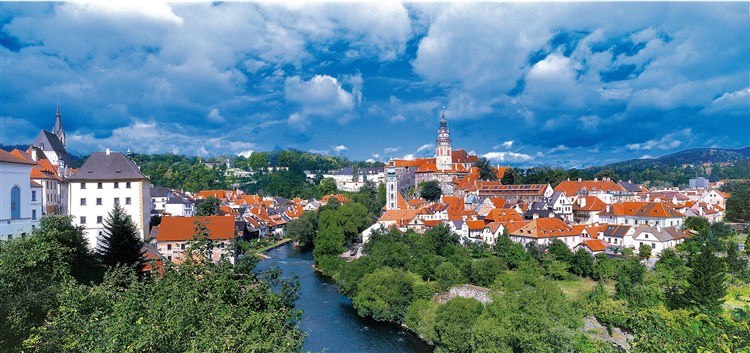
594	244
545	228
570	187
183	228
7	157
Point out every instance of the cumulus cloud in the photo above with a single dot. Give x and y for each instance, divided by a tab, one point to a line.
322	95
507	157
340	148
389	150
409	157
558	148
506	144
215	116
668	142
425	147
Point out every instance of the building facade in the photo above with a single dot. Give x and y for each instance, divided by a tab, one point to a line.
20	197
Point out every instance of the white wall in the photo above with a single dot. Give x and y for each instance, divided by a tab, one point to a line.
14	174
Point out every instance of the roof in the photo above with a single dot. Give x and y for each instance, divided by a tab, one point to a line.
496	188
594	244
662	234
48	141
339	197
545	228
475	225
642	209
398	216
183	228
631	187
618	231
503	215
219	194
461	156
7	157
160	191
593	203
108	166
570	187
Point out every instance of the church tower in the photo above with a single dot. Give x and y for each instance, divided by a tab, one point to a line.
58	130
443	155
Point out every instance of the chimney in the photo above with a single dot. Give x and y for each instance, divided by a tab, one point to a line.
595	179
535	216
579	180
33	155
582	201
108	152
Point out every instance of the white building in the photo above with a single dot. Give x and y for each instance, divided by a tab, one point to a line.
105	179
20	197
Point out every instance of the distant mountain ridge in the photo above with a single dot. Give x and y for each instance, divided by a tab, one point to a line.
692	156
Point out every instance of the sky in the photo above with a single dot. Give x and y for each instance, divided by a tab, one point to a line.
523	84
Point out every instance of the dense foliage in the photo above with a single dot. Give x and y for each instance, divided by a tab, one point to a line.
738	204
430	190
52	303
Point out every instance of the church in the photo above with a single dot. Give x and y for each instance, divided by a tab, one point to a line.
53	144
447	167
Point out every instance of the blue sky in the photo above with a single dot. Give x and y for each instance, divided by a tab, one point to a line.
560	84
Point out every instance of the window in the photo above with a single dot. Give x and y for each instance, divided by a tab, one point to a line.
98	201
645	236
169	246
15	203
99	185
127	185
98	219
127	201
83	186
83	219
33	214
169	258
10	236
23	235
117	185
182	246
653	245
117	200
83	202
33	195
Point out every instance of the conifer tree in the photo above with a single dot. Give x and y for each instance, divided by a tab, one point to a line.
120	243
706	288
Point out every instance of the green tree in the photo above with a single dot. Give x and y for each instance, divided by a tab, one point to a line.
209	207
385	294
303	229
670	273
327	187
582	263
486	170
120	244
484	271
560	251
512	176
696	223
33	273
453	323
738	204
511	252
644	251
430	190
706	283
448	275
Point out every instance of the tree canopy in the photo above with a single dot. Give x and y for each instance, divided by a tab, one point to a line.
120	244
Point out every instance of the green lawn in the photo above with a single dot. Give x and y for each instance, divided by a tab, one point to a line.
738	296
574	288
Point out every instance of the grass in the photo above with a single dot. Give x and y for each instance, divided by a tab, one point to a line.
576	287
738	296
272	245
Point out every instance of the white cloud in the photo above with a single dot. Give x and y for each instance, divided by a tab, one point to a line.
370	160
389	150
425	147
409	157
298	122
730	101
646	156
669	141
590	121
507	157
397	118
506	144
376	155
340	148
322	95
245	154
215	116
558	148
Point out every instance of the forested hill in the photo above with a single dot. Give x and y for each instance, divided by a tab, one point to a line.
692	156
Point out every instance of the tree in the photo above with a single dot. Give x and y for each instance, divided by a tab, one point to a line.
606	173
209	207
644	251
560	251
430	190
486	170
706	288
696	223
327	187
448	275
582	263
484	271
670	273
512	176
385	294
120	244
453	323
303	229
738	204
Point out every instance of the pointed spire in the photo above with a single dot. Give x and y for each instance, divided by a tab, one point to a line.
58	130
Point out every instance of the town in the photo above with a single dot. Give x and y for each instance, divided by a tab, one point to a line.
599	215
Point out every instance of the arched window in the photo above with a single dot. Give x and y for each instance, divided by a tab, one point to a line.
15	202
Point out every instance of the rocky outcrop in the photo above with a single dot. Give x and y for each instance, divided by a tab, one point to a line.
465	291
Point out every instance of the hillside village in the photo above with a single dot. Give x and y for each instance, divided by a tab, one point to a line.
599	215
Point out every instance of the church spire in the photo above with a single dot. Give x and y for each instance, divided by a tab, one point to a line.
58	130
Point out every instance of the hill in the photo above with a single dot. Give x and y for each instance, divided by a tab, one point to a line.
693	156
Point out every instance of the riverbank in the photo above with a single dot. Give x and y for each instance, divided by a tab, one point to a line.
261	251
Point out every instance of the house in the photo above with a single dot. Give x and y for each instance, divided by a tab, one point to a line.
341	199
178	205
592	246
606	189
620	236
105	179
175	233
659	238
634	213
716	197
20	197
562	205
515	193
54	187
159	197
544	230
586	209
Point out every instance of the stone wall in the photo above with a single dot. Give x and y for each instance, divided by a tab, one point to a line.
466	291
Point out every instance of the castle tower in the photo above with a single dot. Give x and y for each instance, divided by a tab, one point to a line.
443	156
391	188
58	130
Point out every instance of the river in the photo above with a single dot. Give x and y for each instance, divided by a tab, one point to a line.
329	320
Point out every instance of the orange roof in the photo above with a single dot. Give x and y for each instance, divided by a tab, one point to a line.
220	194
501	171
643	209
7	157
401	202
401	216
498	202
249	200
410	162
570	187
339	197
503	215
594	244
513	226
461	156
593	203
475	225
545	228
725	195
183	228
